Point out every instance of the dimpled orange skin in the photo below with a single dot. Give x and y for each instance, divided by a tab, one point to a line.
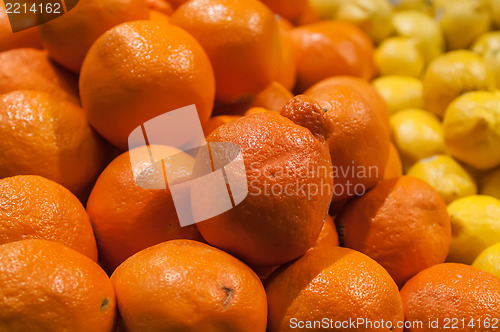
334	283
46	136
331	48
183	285
47	286
31	69
69	37
242	40
10	40
32	207
272	228
452	292
127	218
319	91
132	73
401	223
359	141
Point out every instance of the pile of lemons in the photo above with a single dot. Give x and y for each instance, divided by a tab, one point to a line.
438	67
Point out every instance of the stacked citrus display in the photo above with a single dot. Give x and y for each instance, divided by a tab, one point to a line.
348	179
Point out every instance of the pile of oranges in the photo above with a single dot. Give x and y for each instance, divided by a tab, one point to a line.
370	136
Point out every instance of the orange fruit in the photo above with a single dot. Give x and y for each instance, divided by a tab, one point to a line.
177	3
286	73
330	48
190	286
32	207
395	215
46	136
394	167
289	9
155	15
332	285
359	144
272	98
452	295
288	171
162	6
217	121
128	218
256	110
10	40
69	37
319	91
242	40
31	69
150	84
327	237
309	16
47	286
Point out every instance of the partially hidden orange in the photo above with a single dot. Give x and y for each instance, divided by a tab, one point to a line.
402	223
328	288
32	207
47	286
184	285
69	37
127	216
242	40
43	135
331	48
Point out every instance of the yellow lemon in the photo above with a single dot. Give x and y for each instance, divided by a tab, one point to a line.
399	92
371	16
423	6
495	11
472	129
452	74
326	9
399	56
491	184
417	134
446	176
475	225
488	46
489	260
423	28
462	21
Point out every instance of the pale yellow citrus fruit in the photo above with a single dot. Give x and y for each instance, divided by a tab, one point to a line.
488	46
452	74
423	6
462	21
417	134
489	260
446	176
495	11
472	129
372	16
423	28
475	225
399	56
490	184
400	92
